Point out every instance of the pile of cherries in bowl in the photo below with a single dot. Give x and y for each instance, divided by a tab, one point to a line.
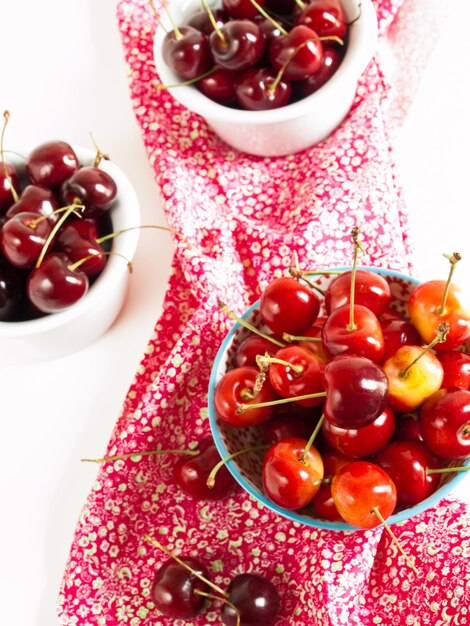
54	225
350	406
259	55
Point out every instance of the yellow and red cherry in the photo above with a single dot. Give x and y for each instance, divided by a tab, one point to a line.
398	333
445	423
299	52
360	490
9	182
37	200
323	504
326	17
235	390
22	239
237	45
406	462
292	473
359	443
191	473
456	367
370	289
289	306
252	600
51	164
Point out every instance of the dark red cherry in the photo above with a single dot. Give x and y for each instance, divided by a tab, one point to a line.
241	9
201	21
281	7
77	239
219	86
8	181
22	239
407	428
174	588
11	291
326	17
269	28
300	53
332	58
241	46
191	473
51	163
93	187
288	425
260	89
186	52
35	199
255	599
54	286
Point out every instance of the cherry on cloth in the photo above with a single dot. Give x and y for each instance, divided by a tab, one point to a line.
244	216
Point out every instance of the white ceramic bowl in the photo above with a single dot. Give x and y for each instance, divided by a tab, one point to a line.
288	129
246	468
62	333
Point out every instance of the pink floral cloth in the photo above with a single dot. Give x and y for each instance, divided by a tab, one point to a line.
243	217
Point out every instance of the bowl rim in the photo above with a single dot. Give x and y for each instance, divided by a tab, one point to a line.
294	516
113	270
361	48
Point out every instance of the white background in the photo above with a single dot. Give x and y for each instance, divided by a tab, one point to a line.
62	76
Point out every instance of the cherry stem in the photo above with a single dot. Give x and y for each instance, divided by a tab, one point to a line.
176	30
263	361
224	308
73	266
268	17
191	81
213	21
291	338
355	232
453	260
198	592
154	542
211	478
99	154
130	455
68	211
376	511
312	438
442	332
359	7
100	240
261	405
446	470
300	4
18	154
296	272
157	16
37	220
6	115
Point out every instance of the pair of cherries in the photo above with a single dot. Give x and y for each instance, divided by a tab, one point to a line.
240	55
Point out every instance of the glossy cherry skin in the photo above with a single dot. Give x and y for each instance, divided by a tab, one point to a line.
398	333
332	58
11	291
445	423
6	184
302	51
219	86
269	28
360	487
241	9
423	307
187	55
357	391
456	366
366	340
255	598
289	306
326	17
191	473
407	393
407	428
35	199
406	462
53	286
242	46
230	394
173	588
51	163
288	383
287	481
323	504
93	187
22	239
201	21
315	347
77	240
259	90
288	425
370	289
251	347
361	442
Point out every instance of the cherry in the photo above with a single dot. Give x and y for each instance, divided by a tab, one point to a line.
174	588
370	290
186	52
325	17
269	27
11	291
219	86
241	9
445	423
78	240
22	239
288	424
332	58
201	20
323	503
295	372
92	187
299	52
51	163
311	340
255	599
56	284
397	333
9	181
288	306
406	463
408	428
191	473
359	490
361	442
251	347
261	88
35	199
456	366
235	389
238	45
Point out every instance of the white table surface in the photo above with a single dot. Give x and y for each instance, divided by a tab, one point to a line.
63	76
